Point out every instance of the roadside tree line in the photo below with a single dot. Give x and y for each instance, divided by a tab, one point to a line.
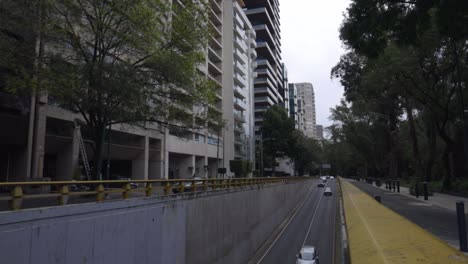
405	75
281	140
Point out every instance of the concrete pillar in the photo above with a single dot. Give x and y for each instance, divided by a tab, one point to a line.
205	167
201	166
188	168
165	155
156	160
37	165
68	159
140	164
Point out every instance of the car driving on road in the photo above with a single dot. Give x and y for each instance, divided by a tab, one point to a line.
307	255
327	191
320	184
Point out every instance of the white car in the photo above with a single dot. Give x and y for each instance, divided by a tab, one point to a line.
327	191
307	255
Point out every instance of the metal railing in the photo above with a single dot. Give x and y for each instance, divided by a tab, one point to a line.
15	193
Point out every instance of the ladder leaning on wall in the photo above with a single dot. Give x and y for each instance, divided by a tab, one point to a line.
84	156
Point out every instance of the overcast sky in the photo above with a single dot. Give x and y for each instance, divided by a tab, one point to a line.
311	47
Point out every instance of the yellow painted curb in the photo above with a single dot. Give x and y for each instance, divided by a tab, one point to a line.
376	234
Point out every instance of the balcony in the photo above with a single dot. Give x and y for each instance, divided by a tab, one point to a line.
239	80
240	44
216	30
214	69
239	104
239	92
239	141
216	79
240	68
238	20
239	129
240	56
214	55
239	153
215	18
239	117
263	100
215	6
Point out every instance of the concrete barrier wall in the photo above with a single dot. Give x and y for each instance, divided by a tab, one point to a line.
215	227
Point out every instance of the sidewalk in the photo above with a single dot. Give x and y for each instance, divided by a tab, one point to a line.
377	234
435	215
439	199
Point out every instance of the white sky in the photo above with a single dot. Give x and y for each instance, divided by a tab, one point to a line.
311	47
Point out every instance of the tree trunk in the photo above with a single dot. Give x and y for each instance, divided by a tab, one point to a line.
414	140
432	145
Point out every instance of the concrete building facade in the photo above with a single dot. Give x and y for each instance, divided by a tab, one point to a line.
306	106
293	107
43	141
239	63
319	132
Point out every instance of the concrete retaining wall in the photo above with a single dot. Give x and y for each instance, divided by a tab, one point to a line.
215	227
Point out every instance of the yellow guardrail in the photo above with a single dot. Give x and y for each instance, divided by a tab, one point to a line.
377	234
63	190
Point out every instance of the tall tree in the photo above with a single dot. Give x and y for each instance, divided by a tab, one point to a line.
276	131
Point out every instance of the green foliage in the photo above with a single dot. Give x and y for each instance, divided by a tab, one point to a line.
241	168
282	140
276	130
404	76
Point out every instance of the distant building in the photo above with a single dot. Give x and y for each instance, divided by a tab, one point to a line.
319	131
293	110
306	105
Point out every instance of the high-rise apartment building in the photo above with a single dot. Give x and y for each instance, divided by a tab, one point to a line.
268	91
293	107
284	90
319	132
238	80
306	105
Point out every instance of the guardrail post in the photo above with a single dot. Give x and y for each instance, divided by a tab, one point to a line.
167	187
378	199
181	186
16	198
192	186
426	192
64	195
126	191
100	193
149	189
205	185
461	226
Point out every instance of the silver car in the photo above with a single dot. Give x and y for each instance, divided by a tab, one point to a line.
327	191
307	255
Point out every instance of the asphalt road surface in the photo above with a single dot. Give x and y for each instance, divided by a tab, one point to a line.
313	224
